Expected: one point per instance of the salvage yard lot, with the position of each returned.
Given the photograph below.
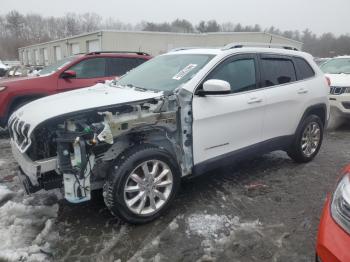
(263, 209)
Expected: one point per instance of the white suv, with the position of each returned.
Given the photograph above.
(180, 114)
(338, 72)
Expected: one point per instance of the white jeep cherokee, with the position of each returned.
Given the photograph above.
(338, 72)
(180, 114)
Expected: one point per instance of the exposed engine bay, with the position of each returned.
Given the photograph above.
(86, 143)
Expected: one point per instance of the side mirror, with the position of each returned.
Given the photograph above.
(69, 74)
(215, 87)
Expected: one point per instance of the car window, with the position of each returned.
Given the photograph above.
(241, 74)
(90, 68)
(166, 72)
(118, 66)
(277, 71)
(337, 66)
(304, 69)
(56, 66)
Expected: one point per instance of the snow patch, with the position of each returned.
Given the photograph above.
(217, 231)
(210, 226)
(206, 225)
(173, 225)
(26, 229)
(4, 193)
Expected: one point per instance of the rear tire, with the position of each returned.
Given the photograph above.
(142, 184)
(308, 140)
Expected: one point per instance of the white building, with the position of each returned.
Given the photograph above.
(154, 43)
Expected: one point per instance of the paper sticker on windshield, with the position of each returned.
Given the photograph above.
(184, 72)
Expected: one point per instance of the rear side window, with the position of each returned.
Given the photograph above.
(304, 70)
(277, 71)
(118, 66)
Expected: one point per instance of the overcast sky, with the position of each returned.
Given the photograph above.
(318, 15)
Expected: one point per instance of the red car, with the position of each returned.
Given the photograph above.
(67, 74)
(333, 241)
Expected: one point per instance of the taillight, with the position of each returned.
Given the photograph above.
(346, 170)
(328, 81)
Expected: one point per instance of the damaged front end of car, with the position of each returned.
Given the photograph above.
(76, 150)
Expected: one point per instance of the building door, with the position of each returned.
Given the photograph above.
(93, 46)
(36, 57)
(74, 48)
(58, 53)
(46, 57)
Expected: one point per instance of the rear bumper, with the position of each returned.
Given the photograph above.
(33, 169)
(332, 241)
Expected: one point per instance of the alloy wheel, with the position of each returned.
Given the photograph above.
(148, 187)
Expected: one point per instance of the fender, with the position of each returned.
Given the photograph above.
(317, 109)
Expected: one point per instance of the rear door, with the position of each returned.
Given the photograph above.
(286, 96)
(89, 72)
(118, 66)
(225, 123)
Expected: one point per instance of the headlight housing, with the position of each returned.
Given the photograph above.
(347, 90)
(340, 206)
(2, 88)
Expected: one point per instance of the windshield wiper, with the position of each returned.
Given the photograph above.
(137, 87)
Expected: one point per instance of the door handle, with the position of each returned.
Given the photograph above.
(302, 91)
(100, 81)
(254, 100)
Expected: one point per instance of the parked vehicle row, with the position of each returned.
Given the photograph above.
(178, 115)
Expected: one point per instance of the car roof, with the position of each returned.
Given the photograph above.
(342, 56)
(131, 54)
(223, 51)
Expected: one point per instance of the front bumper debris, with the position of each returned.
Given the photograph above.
(33, 169)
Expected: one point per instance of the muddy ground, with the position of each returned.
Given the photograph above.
(264, 209)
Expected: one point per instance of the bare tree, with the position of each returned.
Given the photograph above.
(17, 30)
(90, 22)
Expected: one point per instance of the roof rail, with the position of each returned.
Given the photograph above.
(266, 45)
(118, 52)
(191, 47)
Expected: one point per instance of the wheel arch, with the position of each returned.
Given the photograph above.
(154, 137)
(318, 109)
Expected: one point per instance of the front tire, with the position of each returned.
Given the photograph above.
(307, 140)
(142, 184)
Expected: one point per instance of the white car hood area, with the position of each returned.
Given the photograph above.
(98, 96)
(340, 80)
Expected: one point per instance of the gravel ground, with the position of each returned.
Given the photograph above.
(263, 209)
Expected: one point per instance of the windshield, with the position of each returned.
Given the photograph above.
(165, 73)
(337, 66)
(56, 66)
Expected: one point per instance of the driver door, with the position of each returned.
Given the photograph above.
(226, 124)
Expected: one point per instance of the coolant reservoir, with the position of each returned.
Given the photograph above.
(76, 190)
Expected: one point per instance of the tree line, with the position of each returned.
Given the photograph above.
(17, 30)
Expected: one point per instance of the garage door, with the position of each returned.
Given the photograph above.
(58, 53)
(75, 48)
(93, 45)
(46, 57)
(36, 57)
